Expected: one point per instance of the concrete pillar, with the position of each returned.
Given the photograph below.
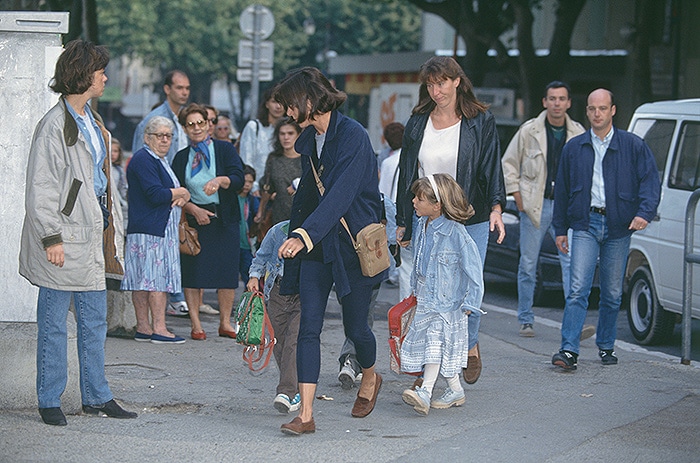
(30, 43)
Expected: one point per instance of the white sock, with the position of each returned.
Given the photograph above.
(454, 383)
(430, 374)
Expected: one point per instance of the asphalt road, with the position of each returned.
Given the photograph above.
(503, 294)
(198, 401)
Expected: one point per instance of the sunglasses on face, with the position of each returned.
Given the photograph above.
(199, 123)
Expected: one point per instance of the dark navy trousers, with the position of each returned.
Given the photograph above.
(315, 284)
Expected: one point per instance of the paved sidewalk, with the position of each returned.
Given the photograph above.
(198, 402)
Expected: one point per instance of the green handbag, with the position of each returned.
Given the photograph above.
(254, 330)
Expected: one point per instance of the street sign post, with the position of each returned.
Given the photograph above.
(257, 23)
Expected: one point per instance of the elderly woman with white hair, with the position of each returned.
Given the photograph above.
(152, 257)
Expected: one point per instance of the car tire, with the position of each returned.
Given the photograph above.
(648, 321)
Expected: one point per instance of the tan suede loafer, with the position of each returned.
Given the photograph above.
(364, 407)
(473, 371)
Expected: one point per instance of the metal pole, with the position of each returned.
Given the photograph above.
(689, 259)
(255, 72)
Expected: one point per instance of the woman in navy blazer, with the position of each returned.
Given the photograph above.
(152, 257)
(341, 153)
(213, 174)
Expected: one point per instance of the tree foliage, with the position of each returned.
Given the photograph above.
(201, 36)
(481, 23)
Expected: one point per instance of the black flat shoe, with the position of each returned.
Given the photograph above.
(111, 409)
(53, 416)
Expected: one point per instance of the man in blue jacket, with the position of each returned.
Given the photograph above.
(607, 187)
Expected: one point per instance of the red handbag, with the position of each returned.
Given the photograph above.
(400, 317)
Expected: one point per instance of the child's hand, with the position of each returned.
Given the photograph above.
(253, 284)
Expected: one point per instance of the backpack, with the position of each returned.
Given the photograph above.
(254, 330)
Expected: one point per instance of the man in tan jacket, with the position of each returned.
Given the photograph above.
(529, 168)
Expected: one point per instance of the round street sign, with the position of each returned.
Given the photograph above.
(247, 21)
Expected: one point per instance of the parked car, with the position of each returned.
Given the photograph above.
(654, 278)
(502, 259)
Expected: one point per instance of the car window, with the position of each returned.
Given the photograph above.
(657, 133)
(685, 173)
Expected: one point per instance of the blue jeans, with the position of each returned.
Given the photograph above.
(586, 248)
(480, 234)
(52, 340)
(530, 244)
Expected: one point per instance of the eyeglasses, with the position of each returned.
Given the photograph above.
(199, 123)
(214, 120)
(162, 136)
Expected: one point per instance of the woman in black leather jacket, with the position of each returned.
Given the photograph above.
(452, 132)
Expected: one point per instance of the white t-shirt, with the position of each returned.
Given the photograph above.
(388, 175)
(438, 152)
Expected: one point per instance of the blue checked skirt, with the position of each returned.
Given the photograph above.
(436, 338)
(152, 263)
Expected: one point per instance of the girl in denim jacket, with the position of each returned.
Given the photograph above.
(448, 285)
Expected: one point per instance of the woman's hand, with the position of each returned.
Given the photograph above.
(290, 248)
(496, 223)
(55, 255)
(212, 186)
(180, 196)
(400, 231)
(201, 215)
(253, 284)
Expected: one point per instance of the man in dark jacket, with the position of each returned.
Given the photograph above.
(607, 187)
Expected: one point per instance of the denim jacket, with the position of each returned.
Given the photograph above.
(266, 263)
(447, 267)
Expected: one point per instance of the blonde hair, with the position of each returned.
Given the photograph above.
(453, 202)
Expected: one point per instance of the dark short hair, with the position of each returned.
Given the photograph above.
(77, 65)
(169, 77)
(189, 109)
(214, 110)
(557, 84)
(263, 114)
(308, 84)
(393, 133)
(248, 170)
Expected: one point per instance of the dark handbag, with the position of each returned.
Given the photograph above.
(189, 238)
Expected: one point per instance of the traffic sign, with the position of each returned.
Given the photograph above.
(245, 54)
(246, 75)
(266, 24)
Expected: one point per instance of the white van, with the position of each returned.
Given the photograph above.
(654, 278)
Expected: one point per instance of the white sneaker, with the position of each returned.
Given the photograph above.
(177, 309)
(347, 375)
(449, 399)
(207, 309)
(419, 398)
(283, 405)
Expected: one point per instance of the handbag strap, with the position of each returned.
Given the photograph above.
(322, 189)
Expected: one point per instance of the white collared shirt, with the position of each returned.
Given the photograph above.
(600, 147)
